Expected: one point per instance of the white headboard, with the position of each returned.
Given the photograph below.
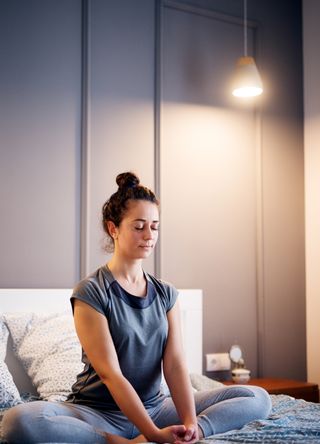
(56, 300)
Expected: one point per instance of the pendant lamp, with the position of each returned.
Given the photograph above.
(247, 81)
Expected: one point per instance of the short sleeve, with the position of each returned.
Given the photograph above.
(92, 294)
(171, 295)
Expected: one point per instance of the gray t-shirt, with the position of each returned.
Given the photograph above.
(139, 329)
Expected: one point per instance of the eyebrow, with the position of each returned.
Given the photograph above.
(145, 220)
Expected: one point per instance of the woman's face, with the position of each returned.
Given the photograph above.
(137, 234)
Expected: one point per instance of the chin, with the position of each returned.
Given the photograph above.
(145, 254)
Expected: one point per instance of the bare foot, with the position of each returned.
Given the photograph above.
(139, 438)
(116, 439)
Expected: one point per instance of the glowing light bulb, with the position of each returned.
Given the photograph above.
(247, 81)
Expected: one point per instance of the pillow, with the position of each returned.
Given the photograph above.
(201, 382)
(9, 394)
(49, 350)
(164, 389)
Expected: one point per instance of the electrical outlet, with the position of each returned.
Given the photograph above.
(218, 362)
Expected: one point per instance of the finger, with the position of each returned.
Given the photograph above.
(188, 435)
(178, 431)
(184, 441)
(178, 436)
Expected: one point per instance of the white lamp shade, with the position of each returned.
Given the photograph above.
(247, 81)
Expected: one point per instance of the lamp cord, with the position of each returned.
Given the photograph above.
(245, 28)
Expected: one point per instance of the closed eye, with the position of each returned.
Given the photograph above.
(155, 228)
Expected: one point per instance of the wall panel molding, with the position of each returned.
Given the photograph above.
(158, 47)
(260, 248)
(197, 10)
(259, 254)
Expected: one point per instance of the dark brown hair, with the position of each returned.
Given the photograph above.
(115, 207)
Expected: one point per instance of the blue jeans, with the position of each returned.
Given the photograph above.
(217, 411)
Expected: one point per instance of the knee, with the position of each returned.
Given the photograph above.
(13, 424)
(17, 424)
(263, 401)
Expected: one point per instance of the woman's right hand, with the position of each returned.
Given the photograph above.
(169, 434)
(174, 434)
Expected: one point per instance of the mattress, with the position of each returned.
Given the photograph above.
(291, 420)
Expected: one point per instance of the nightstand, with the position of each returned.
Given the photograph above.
(277, 386)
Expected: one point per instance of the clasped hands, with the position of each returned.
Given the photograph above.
(178, 434)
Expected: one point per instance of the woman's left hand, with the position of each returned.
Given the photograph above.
(190, 435)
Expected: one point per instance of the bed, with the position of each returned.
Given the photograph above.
(291, 420)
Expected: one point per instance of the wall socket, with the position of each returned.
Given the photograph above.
(218, 362)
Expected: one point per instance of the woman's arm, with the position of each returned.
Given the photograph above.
(94, 335)
(177, 377)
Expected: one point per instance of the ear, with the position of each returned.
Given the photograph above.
(113, 230)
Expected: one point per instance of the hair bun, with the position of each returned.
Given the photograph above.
(127, 180)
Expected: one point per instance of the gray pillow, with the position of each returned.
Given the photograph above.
(201, 382)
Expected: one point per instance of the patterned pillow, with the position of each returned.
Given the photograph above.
(9, 395)
(49, 350)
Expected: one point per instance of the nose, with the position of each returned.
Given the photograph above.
(148, 233)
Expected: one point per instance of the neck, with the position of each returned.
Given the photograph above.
(130, 272)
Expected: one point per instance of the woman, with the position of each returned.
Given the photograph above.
(128, 325)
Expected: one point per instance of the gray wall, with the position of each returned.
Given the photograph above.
(232, 200)
(121, 103)
(40, 86)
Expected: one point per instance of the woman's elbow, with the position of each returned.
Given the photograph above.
(110, 378)
(173, 366)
